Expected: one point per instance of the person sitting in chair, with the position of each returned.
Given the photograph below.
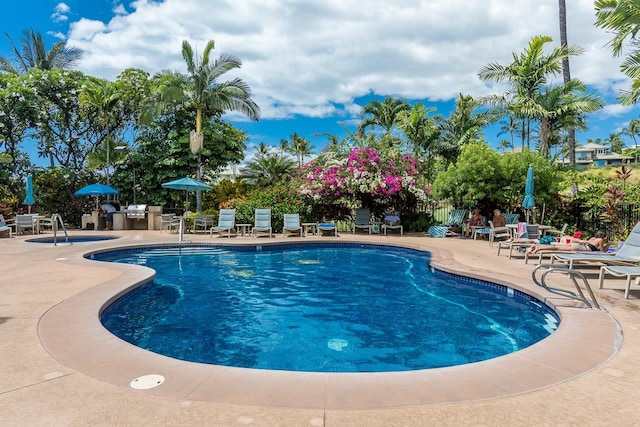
(392, 218)
(597, 243)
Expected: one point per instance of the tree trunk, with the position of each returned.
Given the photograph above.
(566, 75)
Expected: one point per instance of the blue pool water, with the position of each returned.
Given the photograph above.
(71, 239)
(353, 308)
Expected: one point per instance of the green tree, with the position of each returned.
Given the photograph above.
(268, 170)
(633, 130)
(615, 142)
(200, 91)
(566, 72)
(622, 18)
(300, 147)
(527, 76)
(384, 115)
(33, 54)
(422, 131)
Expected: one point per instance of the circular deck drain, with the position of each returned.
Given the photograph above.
(146, 382)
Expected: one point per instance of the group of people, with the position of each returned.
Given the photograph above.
(477, 220)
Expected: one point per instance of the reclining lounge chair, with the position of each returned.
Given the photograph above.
(456, 219)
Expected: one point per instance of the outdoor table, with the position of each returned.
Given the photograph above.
(243, 228)
(310, 226)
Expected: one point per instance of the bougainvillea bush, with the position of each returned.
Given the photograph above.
(366, 177)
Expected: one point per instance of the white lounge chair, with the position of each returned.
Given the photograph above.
(226, 222)
(628, 254)
(262, 223)
(362, 220)
(627, 271)
(291, 225)
(4, 227)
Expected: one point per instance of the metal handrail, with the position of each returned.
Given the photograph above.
(55, 219)
(563, 269)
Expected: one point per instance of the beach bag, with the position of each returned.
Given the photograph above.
(546, 240)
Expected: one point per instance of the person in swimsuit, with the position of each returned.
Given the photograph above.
(597, 243)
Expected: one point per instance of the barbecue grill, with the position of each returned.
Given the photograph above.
(136, 211)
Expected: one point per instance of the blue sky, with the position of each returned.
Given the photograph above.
(313, 64)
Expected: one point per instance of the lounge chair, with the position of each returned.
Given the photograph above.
(393, 227)
(4, 228)
(497, 233)
(511, 218)
(362, 220)
(226, 222)
(291, 225)
(628, 254)
(262, 224)
(557, 232)
(530, 231)
(327, 228)
(456, 219)
(627, 271)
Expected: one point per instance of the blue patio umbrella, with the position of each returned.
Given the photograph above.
(188, 184)
(96, 189)
(529, 202)
(28, 198)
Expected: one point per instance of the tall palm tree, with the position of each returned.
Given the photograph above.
(421, 130)
(528, 75)
(566, 73)
(615, 142)
(300, 147)
(511, 126)
(200, 90)
(262, 150)
(33, 54)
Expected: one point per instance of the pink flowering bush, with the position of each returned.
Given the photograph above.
(364, 175)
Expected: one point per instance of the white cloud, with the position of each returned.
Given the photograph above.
(60, 12)
(307, 57)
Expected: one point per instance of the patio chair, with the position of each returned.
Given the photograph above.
(362, 220)
(262, 223)
(25, 222)
(202, 222)
(497, 233)
(291, 225)
(628, 254)
(169, 222)
(456, 219)
(226, 222)
(511, 218)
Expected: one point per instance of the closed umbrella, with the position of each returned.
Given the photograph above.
(529, 202)
(28, 198)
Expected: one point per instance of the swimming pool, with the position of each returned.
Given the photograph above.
(326, 308)
(71, 239)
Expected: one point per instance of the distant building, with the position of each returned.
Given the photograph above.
(230, 173)
(596, 155)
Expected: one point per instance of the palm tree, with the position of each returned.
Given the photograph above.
(268, 170)
(528, 75)
(615, 142)
(200, 90)
(421, 130)
(262, 150)
(621, 17)
(562, 107)
(300, 147)
(566, 73)
(33, 54)
(511, 126)
(382, 114)
(633, 130)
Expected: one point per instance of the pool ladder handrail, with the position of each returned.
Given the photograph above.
(55, 220)
(573, 274)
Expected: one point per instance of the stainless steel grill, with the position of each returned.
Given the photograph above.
(136, 211)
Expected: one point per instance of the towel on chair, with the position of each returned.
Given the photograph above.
(522, 230)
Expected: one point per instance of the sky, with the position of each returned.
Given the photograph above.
(313, 64)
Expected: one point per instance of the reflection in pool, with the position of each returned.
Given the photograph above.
(344, 308)
(71, 239)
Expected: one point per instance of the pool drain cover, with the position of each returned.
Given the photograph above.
(146, 382)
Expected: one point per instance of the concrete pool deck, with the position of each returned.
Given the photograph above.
(60, 368)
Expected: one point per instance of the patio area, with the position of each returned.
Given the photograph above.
(55, 371)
